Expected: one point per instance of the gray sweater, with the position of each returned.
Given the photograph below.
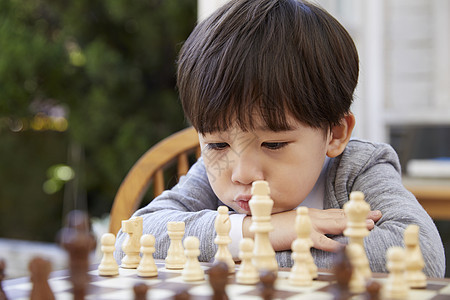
(371, 168)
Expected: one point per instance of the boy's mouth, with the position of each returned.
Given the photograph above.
(242, 201)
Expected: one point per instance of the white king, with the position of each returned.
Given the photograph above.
(261, 207)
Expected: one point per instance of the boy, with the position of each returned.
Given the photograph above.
(268, 85)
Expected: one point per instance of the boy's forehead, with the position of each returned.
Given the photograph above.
(256, 121)
(256, 125)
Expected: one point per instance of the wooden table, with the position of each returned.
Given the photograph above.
(433, 195)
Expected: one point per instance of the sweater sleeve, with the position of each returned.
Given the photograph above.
(377, 174)
(191, 201)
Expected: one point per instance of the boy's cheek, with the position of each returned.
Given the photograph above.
(217, 166)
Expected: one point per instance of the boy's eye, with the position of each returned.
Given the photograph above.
(217, 146)
(274, 145)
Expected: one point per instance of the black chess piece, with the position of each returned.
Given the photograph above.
(2, 276)
(140, 291)
(218, 279)
(267, 281)
(78, 240)
(343, 271)
(373, 290)
(39, 272)
(182, 295)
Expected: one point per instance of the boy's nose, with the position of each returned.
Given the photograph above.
(246, 169)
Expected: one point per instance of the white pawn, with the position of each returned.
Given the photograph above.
(147, 267)
(192, 270)
(356, 255)
(414, 259)
(303, 224)
(303, 227)
(222, 225)
(108, 265)
(300, 274)
(247, 274)
(175, 258)
(396, 286)
(356, 211)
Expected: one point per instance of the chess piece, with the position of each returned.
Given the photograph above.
(175, 258)
(303, 228)
(356, 211)
(396, 286)
(192, 270)
(342, 270)
(414, 259)
(247, 273)
(218, 279)
(78, 241)
(356, 254)
(39, 272)
(373, 290)
(261, 208)
(182, 295)
(300, 274)
(140, 291)
(108, 265)
(131, 245)
(2, 277)
(147, 266)
(222, 224)
(267, 283)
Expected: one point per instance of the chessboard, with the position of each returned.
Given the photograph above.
(168, 283)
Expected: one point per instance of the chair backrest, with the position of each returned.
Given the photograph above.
(149, 168)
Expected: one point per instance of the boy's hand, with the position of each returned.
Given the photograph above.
(329, 221)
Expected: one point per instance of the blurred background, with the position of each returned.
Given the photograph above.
(86, 87)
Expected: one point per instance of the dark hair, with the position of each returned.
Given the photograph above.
(273, 57)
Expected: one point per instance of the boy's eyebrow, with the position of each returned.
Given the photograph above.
(267, 128)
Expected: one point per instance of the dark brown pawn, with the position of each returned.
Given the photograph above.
(39, 272)
(267, 281)
(78, 241)
(373, 290)
(218, 279)
(140, 291)
(342, 270)
(2, 276)
(182, 295)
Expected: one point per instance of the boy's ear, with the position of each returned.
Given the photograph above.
(340, 135)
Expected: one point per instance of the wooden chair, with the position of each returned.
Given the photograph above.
(149, 168)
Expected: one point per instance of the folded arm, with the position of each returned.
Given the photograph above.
(191, 201)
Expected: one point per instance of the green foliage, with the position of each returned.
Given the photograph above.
(111, 66)
(26, 212)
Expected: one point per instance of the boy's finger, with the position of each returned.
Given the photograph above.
(324, 243)
(331, 226)
(329, 221)
(374, 215)
(370, 224)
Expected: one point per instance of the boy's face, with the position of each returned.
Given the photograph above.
(290, 161)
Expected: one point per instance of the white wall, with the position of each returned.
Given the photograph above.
(206, 7)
